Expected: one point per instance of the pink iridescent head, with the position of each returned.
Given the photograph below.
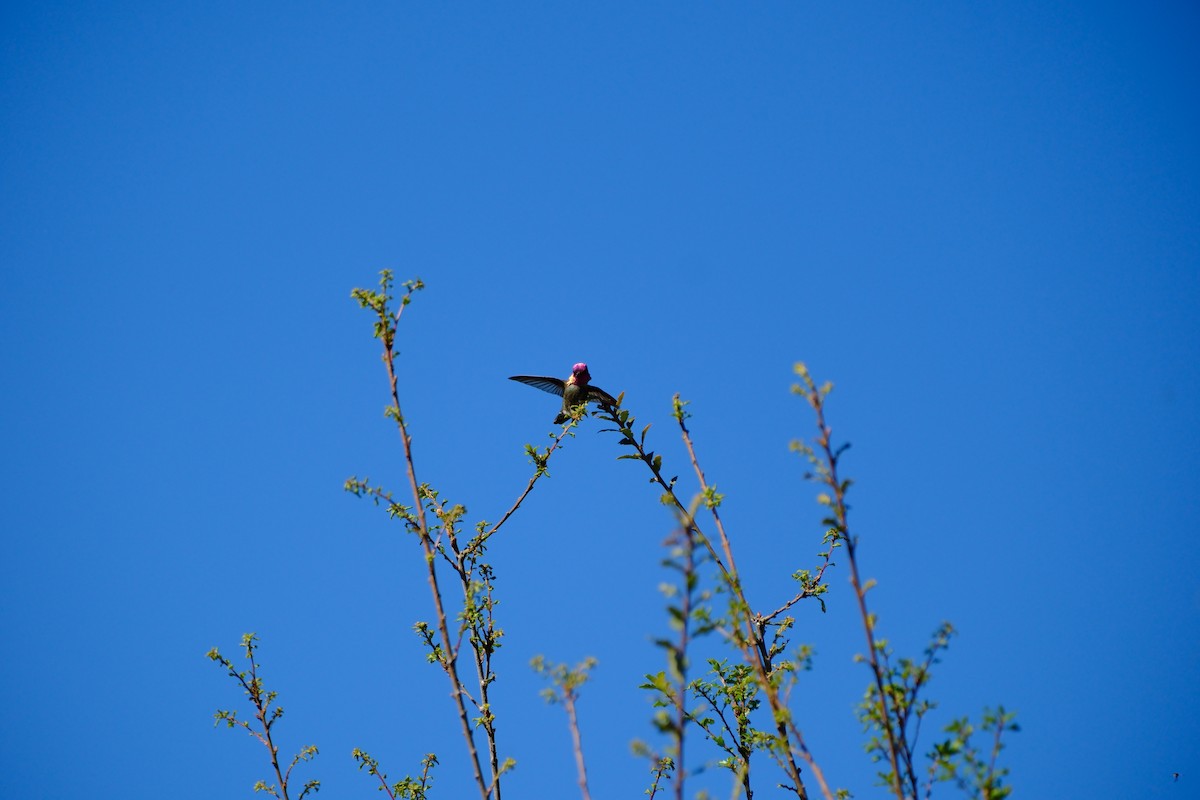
(578, 368)
(580, 374)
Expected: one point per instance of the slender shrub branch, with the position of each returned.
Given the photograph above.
(267, 713)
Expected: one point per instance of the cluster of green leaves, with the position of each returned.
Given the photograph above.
(565, 681)
(731, 693)
(895, 715)
(959, 760)
(409, 788)
(380, 302)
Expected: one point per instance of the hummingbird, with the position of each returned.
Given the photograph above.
(575, 390)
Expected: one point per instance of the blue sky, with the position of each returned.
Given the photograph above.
(979, 221)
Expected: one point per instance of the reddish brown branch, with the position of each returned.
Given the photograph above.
(838, 503)
(450, 658)
(576, 744)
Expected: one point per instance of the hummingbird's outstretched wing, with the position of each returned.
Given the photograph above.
(551, 385)
(597, 395)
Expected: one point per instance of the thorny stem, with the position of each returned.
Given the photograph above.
(260, 711)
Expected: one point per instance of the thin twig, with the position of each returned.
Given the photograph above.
(991, 773)
(384, 784)
(261, 707)
(566, 431)
(803, 593)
